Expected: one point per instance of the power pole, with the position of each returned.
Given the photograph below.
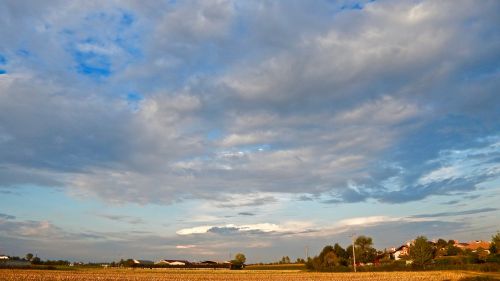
(307, 252)
(353, 236)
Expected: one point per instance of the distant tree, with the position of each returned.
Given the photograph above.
(29, 256)
(365, 252)
(452, 250)
(314, 263)
(239, 258)
(339, 251)
(441, 243)
(300, 260)
(129, 263)
(285, 260)
(421, 251)
(495, 244)
(493, 249)
(330, 260)
(327, 258)
(324, 252)
(341, 254)
(36, 260)
(451, 242)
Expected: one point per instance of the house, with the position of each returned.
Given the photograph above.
(208, 263)
(143, 262)
(474, 246)
(173, 262)
(403, 250)
(14, 263)
(2, 257)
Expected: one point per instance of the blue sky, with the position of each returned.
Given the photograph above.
(196, 129)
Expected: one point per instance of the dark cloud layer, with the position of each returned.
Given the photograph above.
(394, 101)
(458, 213)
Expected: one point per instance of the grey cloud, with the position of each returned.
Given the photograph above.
(7, 217)
(223, 230)
(246, 214)
(252, 202)
(458, 213)
(120, 218)
(300, 102)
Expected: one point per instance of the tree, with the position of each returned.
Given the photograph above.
(330, 260)
(239, 258)
(339, 251)
(300, 260)
(29, 256)
(495, 244)
(285, 260)
(341, 254)
(452, 250)
(441, 243)
(324, 252)
(421, 251)
(36, 260)
(365, 252)
(129, 263)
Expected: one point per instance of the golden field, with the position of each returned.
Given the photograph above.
(221, 275)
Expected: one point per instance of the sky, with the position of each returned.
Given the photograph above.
(199, 129)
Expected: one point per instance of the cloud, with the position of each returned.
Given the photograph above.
(185, 246)
(121, 218)
(259, 228)
(458, 213)
(246, 214)
(257, 100)
(6, 217)
(246, 201)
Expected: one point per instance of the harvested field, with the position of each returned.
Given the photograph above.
(221, 275)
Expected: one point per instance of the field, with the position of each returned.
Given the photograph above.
(224, 275)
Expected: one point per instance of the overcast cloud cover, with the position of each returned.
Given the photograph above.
(193, 129)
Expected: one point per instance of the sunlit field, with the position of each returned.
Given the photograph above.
(186, 275)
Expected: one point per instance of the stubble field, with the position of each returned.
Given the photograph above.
(222, 275)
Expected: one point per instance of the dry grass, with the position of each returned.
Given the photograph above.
(220, 275)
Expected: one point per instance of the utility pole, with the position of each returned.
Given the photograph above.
(307, 252)
(353, 236)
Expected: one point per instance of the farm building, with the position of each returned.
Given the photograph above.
(173, 262)
(208, 262)
(143, 262)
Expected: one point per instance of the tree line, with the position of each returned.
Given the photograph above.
(422, 253)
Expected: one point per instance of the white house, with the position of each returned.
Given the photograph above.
(172, 262)
(4, 257)
(401, 251)
(177, 263)
(143, 262)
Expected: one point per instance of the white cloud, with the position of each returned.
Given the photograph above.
(259, 227)
(465, 164)
(185, 246)
(194, 230)
(246, 139)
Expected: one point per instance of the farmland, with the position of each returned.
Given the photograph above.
(226, 275)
